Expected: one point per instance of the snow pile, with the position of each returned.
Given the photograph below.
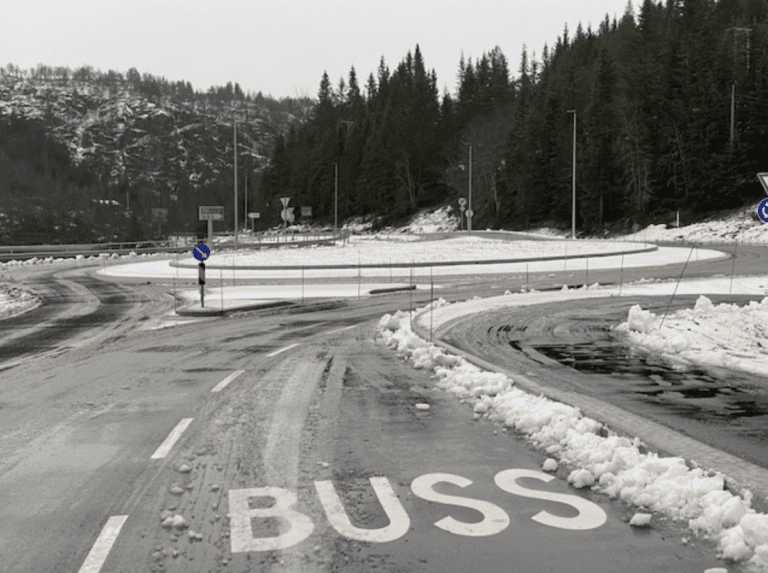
(743, 226)
(438, 221)
(723, 335)
(14, 300)
(594, 456)
(359, 224)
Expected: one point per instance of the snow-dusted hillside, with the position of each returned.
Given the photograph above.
(124, 136)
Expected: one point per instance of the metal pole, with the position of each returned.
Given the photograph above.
(234, 136)
(733, 107)
(469, 218)
(431, 301)
(573, 179)
(621, 276)
(336, 198)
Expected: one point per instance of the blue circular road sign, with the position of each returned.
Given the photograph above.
(762, 211)
(201, 252)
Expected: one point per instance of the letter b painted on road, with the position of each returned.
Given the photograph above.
(294, 526)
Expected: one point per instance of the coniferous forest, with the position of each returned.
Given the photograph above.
(671, 108)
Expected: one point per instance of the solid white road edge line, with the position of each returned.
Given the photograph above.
(101, 548)
(340, 329)
(276, 352)
(223, 384)
(175, 434)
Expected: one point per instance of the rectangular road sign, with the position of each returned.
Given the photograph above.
(254, 215)
(763, 177)
(306, 211)
(208, 213)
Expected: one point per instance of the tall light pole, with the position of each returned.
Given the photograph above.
(733, 84)
(234, 138)
(573, 178)
(336, 197)
(469, 210)
(347, 123)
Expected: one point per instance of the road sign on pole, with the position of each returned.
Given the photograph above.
(285, 201)
(762, 211)
(763, 178)
(208, 213)
(201, 252)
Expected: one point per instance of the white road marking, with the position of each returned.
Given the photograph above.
(340, 329)
(103, 545)
(223, 384)
(276, 352)
(175, 434)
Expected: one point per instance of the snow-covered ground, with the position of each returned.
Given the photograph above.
(723, 335)
(15, 300)
(742, 226)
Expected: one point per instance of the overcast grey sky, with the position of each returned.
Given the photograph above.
(281, 48)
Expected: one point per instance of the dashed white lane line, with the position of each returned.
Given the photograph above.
(175, 434)
(223, 384)
(340, 329)
(103, 544)
(276, 352)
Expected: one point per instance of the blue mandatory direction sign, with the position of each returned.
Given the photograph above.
(201, 252)
(762, 211)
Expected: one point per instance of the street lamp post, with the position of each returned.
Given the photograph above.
(234, 138)
(336, 198)
(573, 178)
(469, 210)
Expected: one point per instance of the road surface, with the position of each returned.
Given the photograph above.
(286, 440)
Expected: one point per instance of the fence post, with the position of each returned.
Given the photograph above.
(621, 279)
(587, 283)
(410, 299)
(431, 301)
(733, 266)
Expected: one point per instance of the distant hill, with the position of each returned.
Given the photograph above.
(86, 155)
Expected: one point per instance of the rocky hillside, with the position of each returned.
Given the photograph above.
(147, 156)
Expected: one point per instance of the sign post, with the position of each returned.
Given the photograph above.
(253, 217)
(462, 208)
(210, 214)
(201, 253)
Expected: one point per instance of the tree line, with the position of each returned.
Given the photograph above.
(671, 112)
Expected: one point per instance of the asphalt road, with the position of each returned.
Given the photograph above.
(267, 405)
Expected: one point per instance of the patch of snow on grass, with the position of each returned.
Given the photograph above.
(724, 335)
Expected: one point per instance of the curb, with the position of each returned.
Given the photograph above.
(202, 312)
(388, 290)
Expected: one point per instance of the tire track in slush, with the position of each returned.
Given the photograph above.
(283, 444)
(49, 330)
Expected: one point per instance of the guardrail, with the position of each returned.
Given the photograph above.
(24, 252)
